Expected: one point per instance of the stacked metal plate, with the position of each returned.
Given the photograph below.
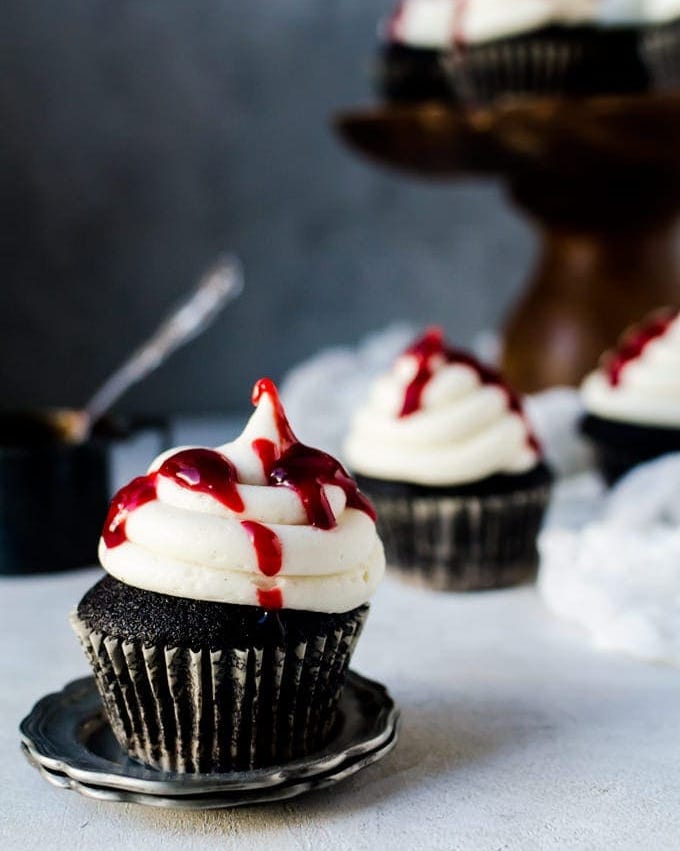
(67, 738)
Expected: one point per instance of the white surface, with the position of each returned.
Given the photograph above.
(515, 735)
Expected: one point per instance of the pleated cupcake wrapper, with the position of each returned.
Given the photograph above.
(185, 710)
(463, 543)
(661, 51)
(486, 71)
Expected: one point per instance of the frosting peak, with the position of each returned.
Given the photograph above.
(440, 417)
(262, 520)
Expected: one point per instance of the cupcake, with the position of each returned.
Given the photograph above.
(445, 452)
(477, 50)
(632, 400)
(237, 586)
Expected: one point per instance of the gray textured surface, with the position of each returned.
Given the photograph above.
(515, 735)
(139, 138)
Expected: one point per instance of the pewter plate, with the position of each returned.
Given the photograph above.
(68, 739)
(218, 800)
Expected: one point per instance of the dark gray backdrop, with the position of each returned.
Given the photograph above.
(141, 137)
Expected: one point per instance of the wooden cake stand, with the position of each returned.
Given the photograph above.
(600, 179)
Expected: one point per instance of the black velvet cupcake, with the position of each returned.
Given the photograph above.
(447, 457)
(466, 537)
(222, 637)
(633, 399)
(194, 686)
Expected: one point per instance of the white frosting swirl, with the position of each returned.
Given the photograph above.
(647, 387)
(438, 24)
(463, 430)
(190, 544)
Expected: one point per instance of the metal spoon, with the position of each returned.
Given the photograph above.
(219, 285)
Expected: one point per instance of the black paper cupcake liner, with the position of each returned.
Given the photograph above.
(207, 709)
(459, 541)
(620, 446)
(575, 61)
(661, 53)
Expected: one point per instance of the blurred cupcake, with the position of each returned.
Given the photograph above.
(237, 588)
(445, 452)
(477, 50)
(633, 399)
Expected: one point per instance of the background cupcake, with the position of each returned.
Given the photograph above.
(480, 49)
(444, 450)
(237, 587)
(633, 399)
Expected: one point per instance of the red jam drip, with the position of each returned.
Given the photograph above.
(431, 349)
(635, 342)
(303, 469)
(265, 386)
(205, 471)
(138, 492)
(267, 547)
(429, 346)
(394, 25)
(270, 599)
(202, 470)
(306, 471)
(267, 451)
(459, 20)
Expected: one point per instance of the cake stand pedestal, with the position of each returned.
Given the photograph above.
(600, 180)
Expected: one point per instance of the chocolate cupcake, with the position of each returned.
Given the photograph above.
(237, 588)
(632, 400)
(444, 450)
(477, 50)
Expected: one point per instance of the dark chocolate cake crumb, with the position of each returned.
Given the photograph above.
(121, 610)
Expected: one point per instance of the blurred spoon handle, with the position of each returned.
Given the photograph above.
(220, 284)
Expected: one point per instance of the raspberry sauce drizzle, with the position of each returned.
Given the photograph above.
(202, 470)
(430, 351)
(303, 469)
(460, 11)
(138, 492)
(395, 21)
(267, 547)
(271, 598)
(635, 342)
(205, 471)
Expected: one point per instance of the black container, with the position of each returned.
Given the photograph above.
(54, 495)
(53, 500)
